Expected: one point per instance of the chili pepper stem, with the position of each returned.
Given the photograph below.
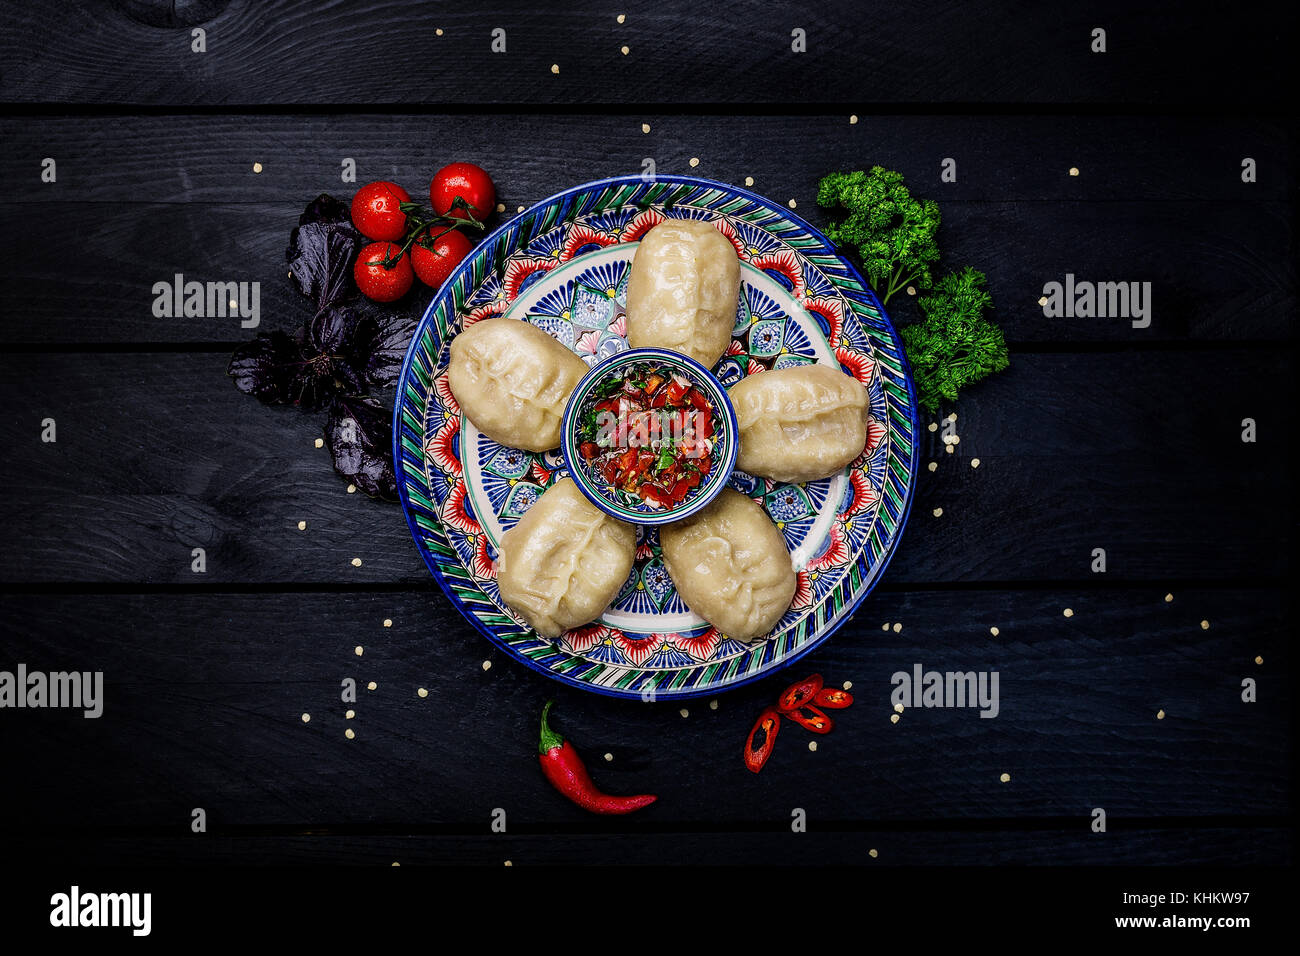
(549, 738)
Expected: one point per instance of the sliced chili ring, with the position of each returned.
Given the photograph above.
(799, 693)
(768, 723)
(812, 718)
(832, 698)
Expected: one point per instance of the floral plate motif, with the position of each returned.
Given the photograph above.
(563, 266)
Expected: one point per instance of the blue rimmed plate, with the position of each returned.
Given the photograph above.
(563, 266)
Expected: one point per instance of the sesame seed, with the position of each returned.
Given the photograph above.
(356, 562)
(1205, 625)
(388, 622)
(974, 462)
(792, 204)
(1169, 598)
(624, 50)
(555, 68)
(487, 665)
(371, 686)
(1068, 612)
(893, 718)
(933, 465)
(609, 757)
(1074, 170)
(1160, 715)
(422, 692)
(812, 745)
(349, 733)
(257, 167)
(357, 650)
(898, 628)
(320, 443)
(1005, 778)
(853, 119)
(872, 854)
(645, 127)
(749, 180)
(994, 631)
(695, 160)
(622, 17)
(684, 712)
(938, 512)
(350, 714)
(352, 489)
(306, 718)
(1259, 660)
(713, 705)
(933, 427)
(302, 526)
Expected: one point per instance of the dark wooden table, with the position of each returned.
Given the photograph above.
(1100, 435)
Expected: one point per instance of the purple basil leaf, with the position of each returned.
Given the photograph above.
(359, 433)
(332, 328)
(379, 348)
(265, 367)
(325, 208)
(320, 261)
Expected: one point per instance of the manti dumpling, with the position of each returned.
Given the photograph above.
(683, 290)
(565, 560)
(731, 566)
(800, 423)
(513, 380)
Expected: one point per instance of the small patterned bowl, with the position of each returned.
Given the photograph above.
(600, 385)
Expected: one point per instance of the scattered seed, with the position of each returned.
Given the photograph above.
(1005, 778)
(349, 733)
(395, 863)
(684, 712)
(1068, 612)
(257, 167)
(508, 863)
(438, 31)
(1259, 660)
(519, 209)
(1042, 300)
(609, 758)
(713, 705)
(933, 427)
(812, 745)
(645, 127)
(898, 628)
(487, 665)
(884, 627)
(974, 462)
(306, 718)
(422, 692)
(357, 650)
(848, 685)
(352, 489)
(956, 440)
(948, 450)
(622, 17)
(792, 204)
(893, 718)
(356, 562)
(695, 161)
(853, 119)
(302, 526)
(350, 714)
(388, 622)
(1169, 598)
(872, 854)
(952, 416)
(1160, 715)
(994, 631)
(1074, 170)
(749, 180)
(898, 708)
(320, 443)
(555, 68)
(938, 512)
(933, 465)
(371, 686)
(501, 207)
(624, 50)
(1205, 625)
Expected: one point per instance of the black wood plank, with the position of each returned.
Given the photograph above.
(204, 695)
(1136, 452)
(297, 52)
(1219, 271)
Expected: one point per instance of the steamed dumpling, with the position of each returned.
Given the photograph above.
(731, 566)
(513, 380)
(800, 423)
(564, 561)
(683, 290)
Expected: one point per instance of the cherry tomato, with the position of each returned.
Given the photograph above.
(768, 724)
(433, 265)
(376, 210)
(698, 399)
(467, 183)
(379, 282)
(799, 693)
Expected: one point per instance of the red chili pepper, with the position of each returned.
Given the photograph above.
(567, 773)
(833, 698)
(768, 724)
(799, 693)
(810, 718)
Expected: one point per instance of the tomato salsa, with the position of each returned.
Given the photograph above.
(646, 437)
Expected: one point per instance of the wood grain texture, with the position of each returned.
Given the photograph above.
(932, 52)
(158, 454)
(204, 695)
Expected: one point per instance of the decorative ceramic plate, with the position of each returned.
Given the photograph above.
(563, 265)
